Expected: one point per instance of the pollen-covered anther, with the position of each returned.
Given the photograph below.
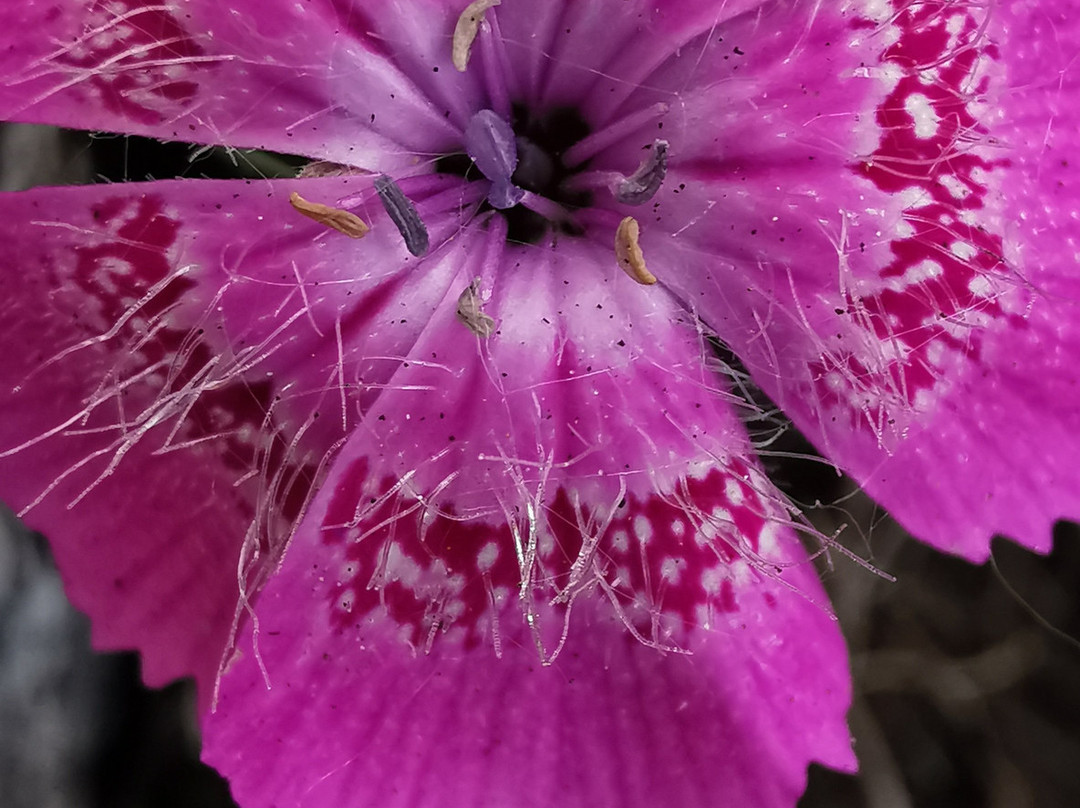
(465, 31)
(642, 185)
(403, 214)
(628, 252)
(470, 311)
(341, 220)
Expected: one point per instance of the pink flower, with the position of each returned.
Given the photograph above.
(458, 513)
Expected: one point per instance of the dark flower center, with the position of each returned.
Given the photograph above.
(541, 140)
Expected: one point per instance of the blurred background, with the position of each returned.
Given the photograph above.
(967, 679)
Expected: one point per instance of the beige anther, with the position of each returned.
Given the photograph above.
(628, 252)
(469, 311)
(341, 220)
(465, 31)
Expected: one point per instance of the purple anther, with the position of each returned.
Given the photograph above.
(403, 215)
(642, 185)
(489, 141)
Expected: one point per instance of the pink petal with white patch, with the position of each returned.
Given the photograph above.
(837, 211)
(325, 79)
(1008, 422)
(152, 550)
(570, 490)
(150, 428)
(352, 716)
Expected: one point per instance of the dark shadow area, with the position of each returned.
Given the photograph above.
(119, 158)
(77, 728)
(963, 696)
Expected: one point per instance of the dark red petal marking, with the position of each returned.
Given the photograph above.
(668, 562)
(135, 59)
(948, 278)
(125, 285)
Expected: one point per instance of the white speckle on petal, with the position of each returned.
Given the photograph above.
(980, 286)
(620, 541)
(734, 492)
(487, 556)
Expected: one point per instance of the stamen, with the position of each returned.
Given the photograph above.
(612, 133)
(341, 220)
(403, 215)
(642, 185)
(465, 31)
(548, 209)
(469, 311)
(489, 141)
(628, 252)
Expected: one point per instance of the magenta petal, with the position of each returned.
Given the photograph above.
(149, 429)
(352, 716)
(150, 551)
(1010, 425)
(403, 655)
(314, 78)
(881, 233)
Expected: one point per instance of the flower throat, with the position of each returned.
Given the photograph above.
(550, 198)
